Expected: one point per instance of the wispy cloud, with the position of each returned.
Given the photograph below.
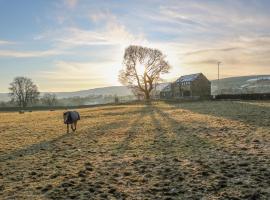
(73, 75)
(71, 3)
(5, 42)
(240, 56)
(228, 49)
(29, 54)
(112, 32)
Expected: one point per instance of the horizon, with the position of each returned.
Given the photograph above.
(126, 86)
(74, 45)
(167, 82)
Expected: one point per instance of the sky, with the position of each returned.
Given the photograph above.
(70, 45)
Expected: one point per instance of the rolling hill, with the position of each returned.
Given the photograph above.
(241, 83)
(113, 90)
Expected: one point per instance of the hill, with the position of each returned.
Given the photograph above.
(113, 90)
(242, 83)
(4, 97)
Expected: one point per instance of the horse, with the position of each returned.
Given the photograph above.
(71, 117)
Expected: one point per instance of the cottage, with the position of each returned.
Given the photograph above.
(188, 86)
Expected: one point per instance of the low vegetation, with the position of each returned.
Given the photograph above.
(200, 150)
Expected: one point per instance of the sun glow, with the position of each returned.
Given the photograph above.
(140, 69)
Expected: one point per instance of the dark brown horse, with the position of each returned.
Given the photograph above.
(71, 117)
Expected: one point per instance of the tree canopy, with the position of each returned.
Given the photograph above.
(142, 69)
(23, 92)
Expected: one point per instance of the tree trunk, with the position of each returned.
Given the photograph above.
(147, 95)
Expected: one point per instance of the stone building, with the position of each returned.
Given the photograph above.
(188, 86)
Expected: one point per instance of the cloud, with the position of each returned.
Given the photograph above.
(71, 3)
(5, 42)
(29, 54)
(80, 75)
(229, 49)
(242, 56)
(104, 15)
(174, 16)
(111, 32)
(225, 18)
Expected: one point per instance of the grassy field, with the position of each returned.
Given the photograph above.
(199, 150)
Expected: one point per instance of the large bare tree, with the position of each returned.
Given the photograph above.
(142, 69)
(23, 91)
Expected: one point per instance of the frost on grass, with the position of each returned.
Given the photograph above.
(202, 150)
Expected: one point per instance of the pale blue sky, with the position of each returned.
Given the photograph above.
(67, 45)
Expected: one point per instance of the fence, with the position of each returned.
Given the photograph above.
(253, 96)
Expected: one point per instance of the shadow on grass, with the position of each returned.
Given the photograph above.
(49, 145)
(132, 131)
(251, 114)
(190, 143)
(162, 143)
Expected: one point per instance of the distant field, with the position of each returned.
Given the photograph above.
(200, 150)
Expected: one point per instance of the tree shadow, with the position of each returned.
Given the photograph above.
(190, 142)
(132, 132)
(49, 145)
(161, 142)
(213, 159)
(255, 115)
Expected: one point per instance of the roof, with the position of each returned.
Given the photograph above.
(188, 78)
(167, 88)
(185, 78)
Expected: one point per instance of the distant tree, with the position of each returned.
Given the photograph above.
(116, 99)
(23, 92)
(2, 104)
(142, 69)
(49, 99)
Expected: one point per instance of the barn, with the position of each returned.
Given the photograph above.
(188, 86)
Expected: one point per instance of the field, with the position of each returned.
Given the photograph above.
(199, 150)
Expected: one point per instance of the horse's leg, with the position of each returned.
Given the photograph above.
(72, 127)
(75, 125)
(67, 128)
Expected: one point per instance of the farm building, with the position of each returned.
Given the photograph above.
(188, 86)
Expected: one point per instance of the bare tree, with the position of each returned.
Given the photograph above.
(142, 69)
(49, 99)
(116, 99)
(23, 92)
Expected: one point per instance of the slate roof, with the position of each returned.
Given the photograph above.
(167, 88)
(187, 78)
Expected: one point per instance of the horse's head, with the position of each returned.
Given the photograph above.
(66, 116)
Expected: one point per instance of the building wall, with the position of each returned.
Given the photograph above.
(201, 87)
(175, 90)
(165, 95)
